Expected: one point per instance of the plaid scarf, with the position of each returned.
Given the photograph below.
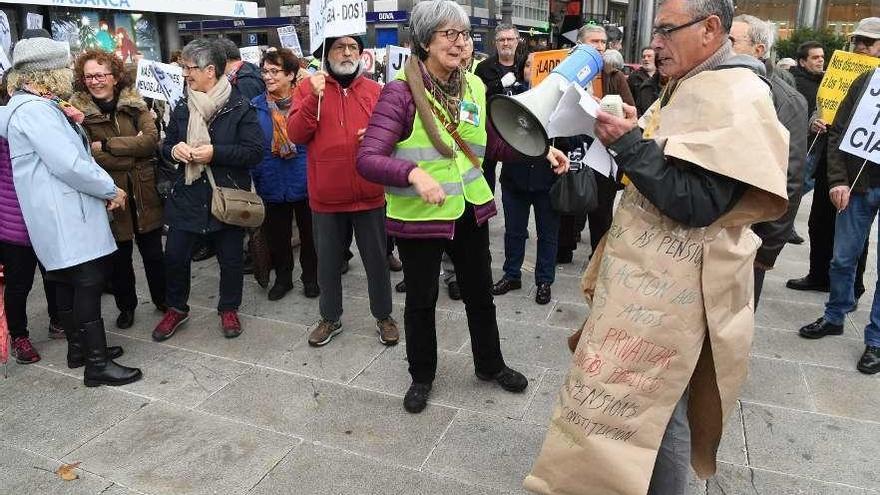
(447, 94)
(281, 145)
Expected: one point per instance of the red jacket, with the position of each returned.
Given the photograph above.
(332, 144)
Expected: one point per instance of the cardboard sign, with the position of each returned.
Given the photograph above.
(160, 81)
(543, 64)
(5, 64)
(843, 69)
(289, 39)
(335, 18)
(862, 137)
(34, 21)
(397, 56)
(251, 54)
(5, 33)
(368, 60)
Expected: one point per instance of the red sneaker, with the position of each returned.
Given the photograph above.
(230, 324)
(24, 351)
(169, 324)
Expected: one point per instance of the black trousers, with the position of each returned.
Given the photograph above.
(122, 278)
(490, 168)
(178, 261)
(571, 226)
(278, 228)
(19, 264)
(823, 216)
(421, 269)
(79, 288)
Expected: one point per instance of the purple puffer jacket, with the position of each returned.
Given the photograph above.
(12, 228)
(392, 122)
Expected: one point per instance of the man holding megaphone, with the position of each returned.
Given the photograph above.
(661, 359)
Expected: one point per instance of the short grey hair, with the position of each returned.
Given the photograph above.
(704, 8)
(204, 52)
(590, 28)
(613, 59)
(760, 32)
(427, 16)
(505, 27)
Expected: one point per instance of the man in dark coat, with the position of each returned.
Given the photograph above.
(752, 39)
(501, 73)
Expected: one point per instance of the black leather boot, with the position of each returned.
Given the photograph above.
(75, 355)
(100, 369)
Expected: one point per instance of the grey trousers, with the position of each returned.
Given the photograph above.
(672, 468)
(331, 242)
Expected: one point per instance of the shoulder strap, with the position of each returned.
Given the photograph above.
(453, 131)
(210, 175)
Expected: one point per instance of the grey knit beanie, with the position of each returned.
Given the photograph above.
(39, 54)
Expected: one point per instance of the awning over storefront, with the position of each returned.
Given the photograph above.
(224, 8)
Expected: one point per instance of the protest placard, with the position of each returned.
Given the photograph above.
(368, 60)
(251, 54)
(5, 33)
(543, 64)
(397, 56)
(289, 39)
(335, 18)
(5, 64)
(34, 21)
(843, 69)
(160, 81)
(862, 137)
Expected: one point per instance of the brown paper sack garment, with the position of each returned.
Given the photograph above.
(671, 306)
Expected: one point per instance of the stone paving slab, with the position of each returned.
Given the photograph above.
(318, 470)
(810, 445)
(163, 449)
(354, 419)
(744, 480)
(24, 472)
(52, 414)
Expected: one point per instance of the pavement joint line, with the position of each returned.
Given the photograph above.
(84, 470)
(809, 389)
(840, 337)
(372, 361)
(279, 461)
(439, 440)
(745, 436)
(789, 475)
(792, 361)
(533, 394)
(819, 413)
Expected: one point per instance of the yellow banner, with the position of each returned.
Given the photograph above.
(543, 64)
(843, 69)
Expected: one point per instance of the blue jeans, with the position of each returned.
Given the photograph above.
(516, 223)
(852, 228)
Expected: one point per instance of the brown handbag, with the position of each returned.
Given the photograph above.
(236, 206)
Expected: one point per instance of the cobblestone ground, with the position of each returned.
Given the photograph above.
(267, 414)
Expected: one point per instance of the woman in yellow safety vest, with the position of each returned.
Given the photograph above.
(425, 143)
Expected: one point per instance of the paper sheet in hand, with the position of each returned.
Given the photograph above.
(574, 115)
(600, 160)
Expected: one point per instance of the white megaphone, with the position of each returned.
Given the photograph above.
(521, 120)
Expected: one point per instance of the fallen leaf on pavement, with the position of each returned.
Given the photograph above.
(67, 472)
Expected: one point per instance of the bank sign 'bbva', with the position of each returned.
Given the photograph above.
(225, 8)
(335, 18)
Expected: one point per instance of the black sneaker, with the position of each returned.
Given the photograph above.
(401, 286)
(506, 285)
(510, 380)
(416, 398)
(543, 294)
(311, 290)
(807, 283)
(820, 328)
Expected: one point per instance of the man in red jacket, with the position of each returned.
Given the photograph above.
(340, 199)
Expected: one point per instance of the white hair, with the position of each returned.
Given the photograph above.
(613, 59)
(427, 16)
(760, 32)
(590, 28)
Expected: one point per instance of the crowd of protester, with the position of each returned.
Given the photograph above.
(347, 159)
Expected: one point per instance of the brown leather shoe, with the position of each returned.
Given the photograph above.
(324, 332)
(388, 333)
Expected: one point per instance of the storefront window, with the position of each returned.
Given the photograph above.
(781, 13)
(125, 34)
(843, 15)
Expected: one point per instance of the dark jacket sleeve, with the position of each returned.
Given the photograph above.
(688, 194)
(837, 169)
(173, 133)
(487, 73)
(792, 113)
(247, 151)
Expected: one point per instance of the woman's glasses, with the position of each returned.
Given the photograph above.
(99, 77)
